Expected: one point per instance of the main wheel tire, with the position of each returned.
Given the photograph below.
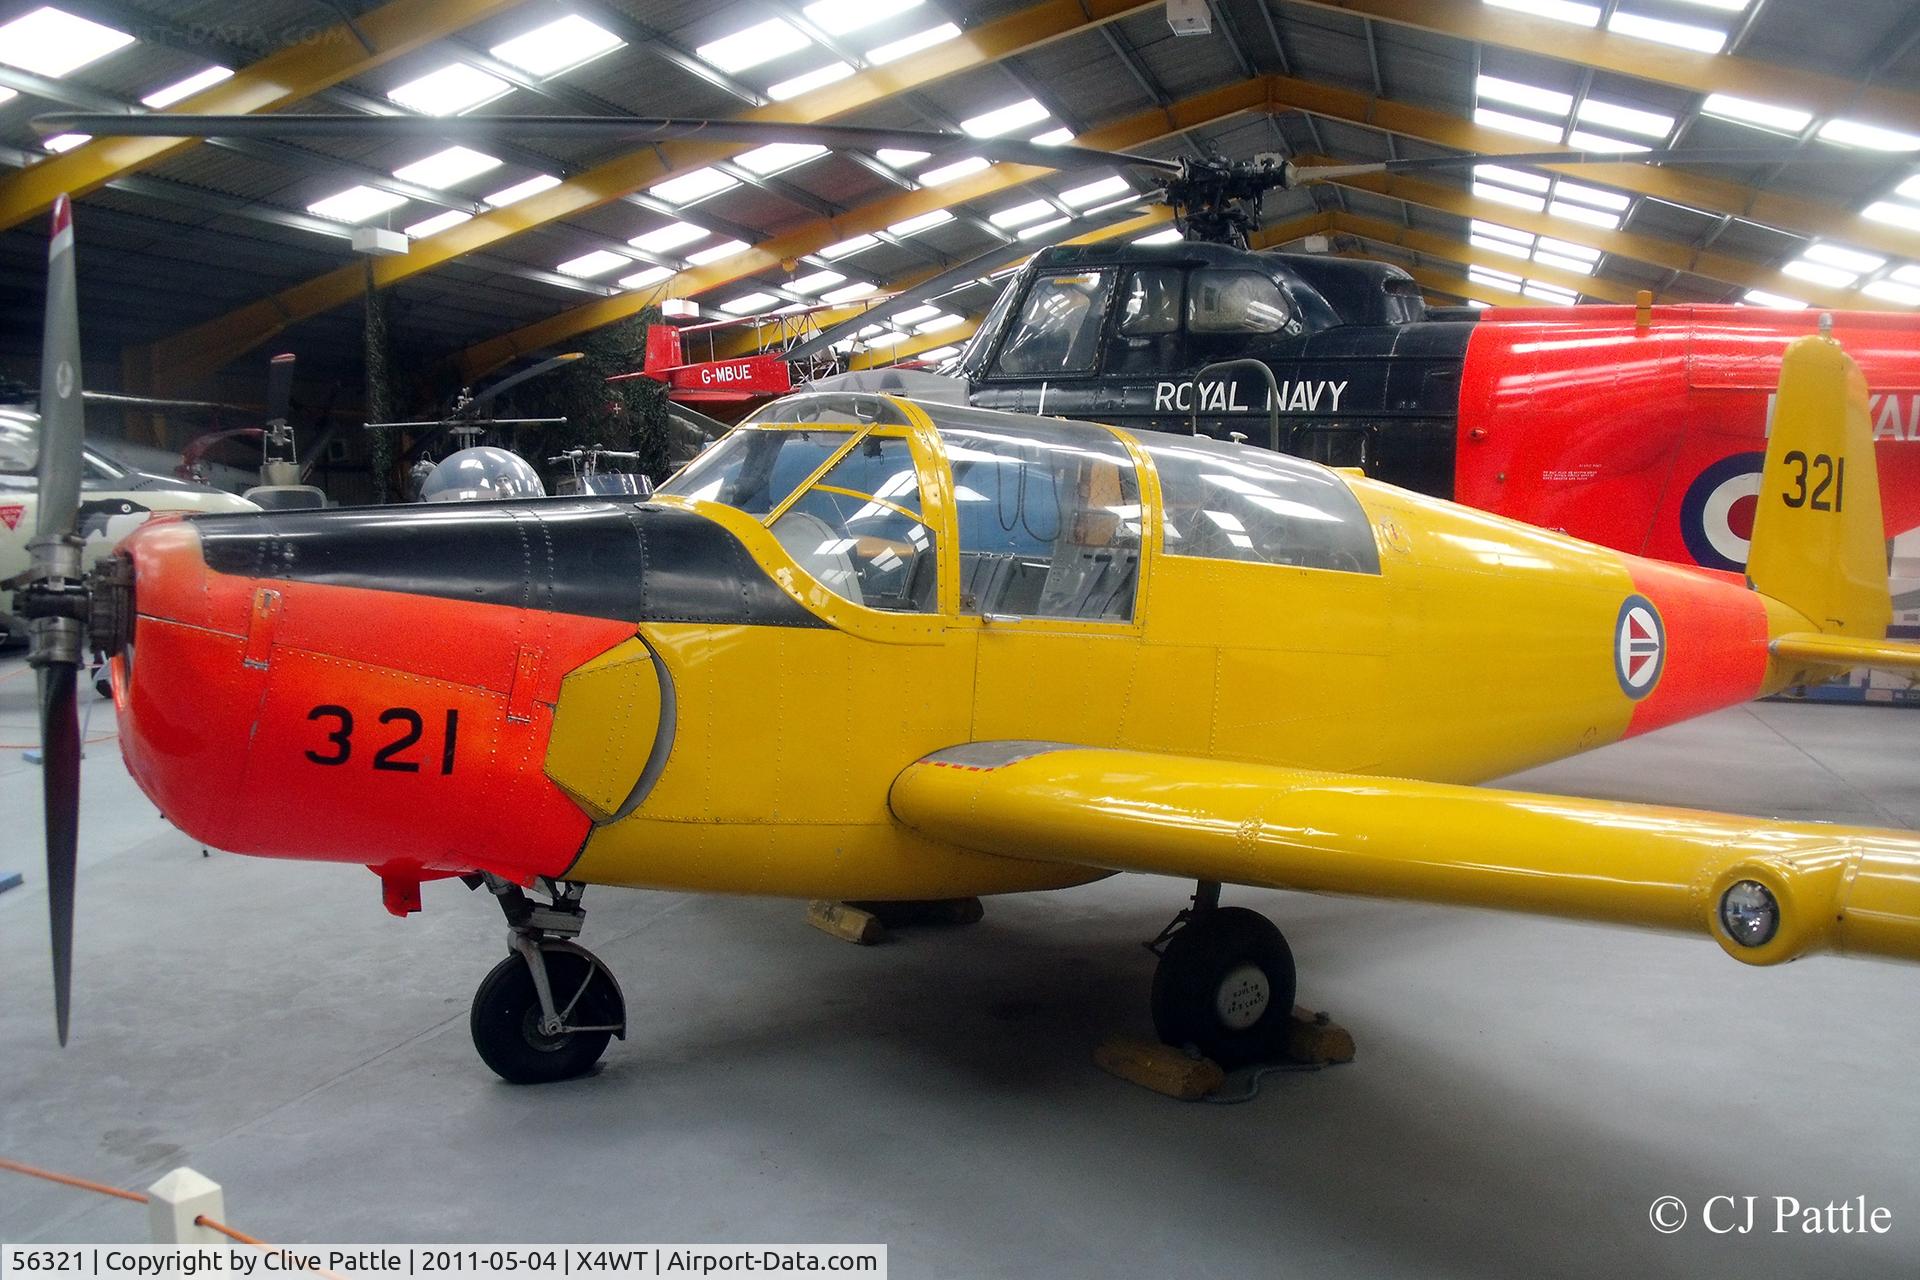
(1225, 986)
(506, 1019)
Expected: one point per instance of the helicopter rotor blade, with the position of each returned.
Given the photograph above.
(608, 129)
(486, 395)
(1302, 174)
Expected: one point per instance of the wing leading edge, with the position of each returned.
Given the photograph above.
(1827, 888)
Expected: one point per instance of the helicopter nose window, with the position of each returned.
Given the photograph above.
(1147, 339)
(858, 530)
(1058, 330)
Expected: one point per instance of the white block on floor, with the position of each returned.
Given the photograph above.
(176, 1200)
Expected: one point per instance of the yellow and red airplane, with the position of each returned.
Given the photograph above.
(871, 649)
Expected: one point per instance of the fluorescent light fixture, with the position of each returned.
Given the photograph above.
(777, 157)
(1569, 250)
(452, 89)
(689, 187)
(438, 222)
(1513, 177)
(940, 353)
(1014, 115)
(747, 303)
(444, 168)
(945, 320)
(1907, 275)
(1832, 277)
(597, 263)
(186, 88)
(760, 43)
(1580, 15)
(1021, 214)
(1759, 115)
(1682, 35)
(1761, 298)
(51, 42)
(521, 190)
(1041, 228)
(1910, 188)
(1167, 235)
(1550, 293)
(1888, 291)
(912, 44)
(808, 81)
(713, 253)
(63, 142)
(1613, 115)
(641, 279)
(815, 282)
(671, 236)
(1498, 232)
(1580, 213)
(1095, 192)
(1549, 101)
(920, 222)
(560, 45)
(1858, 133)
(844, 248)
(958, 169)
(1509, 123)
(1591, 195)
(1853, 260)
(680, 309)
(1054, 137)
(914, 315)
(1894, 213)
(356, 204)
(1586, 141)
(1500, 246)
(1577, 266)
(837, 17)
(1494, 279)
(1504, 195)
(858, 289)
(897, 159)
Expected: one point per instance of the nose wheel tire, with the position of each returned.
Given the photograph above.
(507, 1018)
(1225, 986)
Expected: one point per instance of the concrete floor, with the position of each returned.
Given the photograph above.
(1524, 1090)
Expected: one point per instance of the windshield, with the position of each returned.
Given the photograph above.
(756, 468)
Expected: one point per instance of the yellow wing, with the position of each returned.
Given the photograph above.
(1766, 891)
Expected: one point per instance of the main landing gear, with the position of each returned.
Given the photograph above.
(546, 1012)
(1225, 983)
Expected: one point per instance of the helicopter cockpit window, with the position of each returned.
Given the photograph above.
(755, 469)
(1147, 338)
(1058, 329)
(1233, 502)
(1049, 516)
(858, 530)
(1230, 302)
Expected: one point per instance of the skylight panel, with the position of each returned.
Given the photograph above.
(1020, 214)
(837, 17)
(808, 81)
(1507, 247)
(1508, 196)
(1494, 279)
(1683, 35)
(844, 248)
(186, 88)
(641, 279)
(858, 289)
(671, 236)
(1094, 192)
(6, 93)
(52, 42)
(597, 263)
(1498, 232)
(437, 223)
(901, 159)
(815, 282)
(1907, 275)
(958, 169)
(1894, 213)
(560, 45)
(1549, 101)
(945, 320)
(1542, 292)
(1832, 277)
(748, 303)
(1591, 195)
(1513, 177)
(521, 190)
(1569, 250)
(1758, 115)
(922, 222)
(1761, 298)
(1586, 141)
(451, 90)
(1889, 291)
(1858, 133)
(762, 42)
(1613, 115)
(1853, 260)
(1041, 228)
(1581, 213)
(1910, 188)
(912, 44)
(1054, 137)
(1581, 15)
(1507, 122)
(689, 187)
(1577, 266)
(914, 315)
(1166, 235)
(443, 169)
(778, 157)
(725, 249)
(356, 204)
(64, 142)
(1015, 115)
(940, 353)
(1725, 6)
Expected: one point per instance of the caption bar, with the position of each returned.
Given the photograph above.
(436, 1262)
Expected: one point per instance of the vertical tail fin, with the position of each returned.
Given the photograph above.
(1818, 543)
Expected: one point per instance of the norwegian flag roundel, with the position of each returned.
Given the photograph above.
(1639, 647)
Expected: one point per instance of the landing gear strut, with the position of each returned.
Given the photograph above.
(1225, 983)
(546, 1012)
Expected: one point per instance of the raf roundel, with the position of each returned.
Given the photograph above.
(1639, 647)
(1716, 515)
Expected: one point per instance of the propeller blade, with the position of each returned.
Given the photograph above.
(608, 129)
(533, 371)
(62, 417)
(279, 387)
(60, 795)
(1658, 155)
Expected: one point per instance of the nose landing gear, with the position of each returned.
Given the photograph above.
(546, 1012)
(1225, 983)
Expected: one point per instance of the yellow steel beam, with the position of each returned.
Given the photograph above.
(777, 253)
(881, 357)
(1653, 250)
(298, 71)
(205, 347)
(1643, 59)
(1789, 213)
(1444, 247)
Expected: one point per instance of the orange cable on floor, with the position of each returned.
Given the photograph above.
(14, 1166)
